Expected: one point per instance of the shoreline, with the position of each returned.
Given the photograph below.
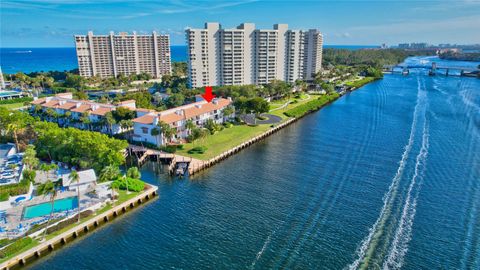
(197, 165)
(84, 228)
(238, 148)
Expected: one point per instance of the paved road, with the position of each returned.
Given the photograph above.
(271, 119)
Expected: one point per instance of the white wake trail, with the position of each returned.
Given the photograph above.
(360, 254)
(403, 234)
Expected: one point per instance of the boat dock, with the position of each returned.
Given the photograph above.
(178, 164)
(79, 230)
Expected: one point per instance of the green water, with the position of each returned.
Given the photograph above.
(43, 209)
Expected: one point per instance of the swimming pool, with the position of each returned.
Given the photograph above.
(9, 93)
(43, 209)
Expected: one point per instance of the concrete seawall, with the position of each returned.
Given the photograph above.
(79, 230)
(199, 166)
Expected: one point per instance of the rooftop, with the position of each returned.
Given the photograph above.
(184, 112)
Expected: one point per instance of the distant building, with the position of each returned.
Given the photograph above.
(404, 45)
(111, 55)
(2, 80)
(418, 45)
(198, 112)
(245, 55)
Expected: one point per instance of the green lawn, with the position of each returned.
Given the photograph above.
(13, 106)
(230, 137)
(223, 140)
(23, 249)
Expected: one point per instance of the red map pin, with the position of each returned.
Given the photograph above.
(208, 96)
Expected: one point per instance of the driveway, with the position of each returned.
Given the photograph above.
(271, 119)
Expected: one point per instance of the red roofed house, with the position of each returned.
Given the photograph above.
(199, 112)
(71, 111)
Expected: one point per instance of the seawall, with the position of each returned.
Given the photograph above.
(79, 230)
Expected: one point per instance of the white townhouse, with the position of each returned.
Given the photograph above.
(64, 102)
(199, 112)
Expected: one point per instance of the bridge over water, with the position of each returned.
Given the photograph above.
(434, 69)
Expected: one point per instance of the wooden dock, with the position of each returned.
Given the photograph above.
(81, 229)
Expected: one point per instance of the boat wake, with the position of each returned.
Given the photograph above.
(369, 243)
(403, 234)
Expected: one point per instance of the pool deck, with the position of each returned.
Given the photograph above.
(82, 228)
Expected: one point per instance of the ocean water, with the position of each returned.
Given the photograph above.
(13, 60)
(385, 177)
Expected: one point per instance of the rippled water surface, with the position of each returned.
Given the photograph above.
(386, 177)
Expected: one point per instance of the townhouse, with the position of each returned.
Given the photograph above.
(74, 112)
(198, 112)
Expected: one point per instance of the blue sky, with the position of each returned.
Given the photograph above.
(52, 23)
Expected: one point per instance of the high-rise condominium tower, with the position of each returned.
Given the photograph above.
(111, 55)
(245, 55)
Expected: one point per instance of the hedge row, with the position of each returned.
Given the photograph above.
(362, 82)
(16, 100)
(311, 105)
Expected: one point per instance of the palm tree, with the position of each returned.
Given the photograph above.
(109, 173)
(85, 119)
(134, 173)
(109, 121)
(190, 125)
(155, 132)
(14, 127)
(47, 168)
(166, 131)
(50, 188)
(126, 183)
(126, 125)
(30, 157)
(227, 112)
(74, 177)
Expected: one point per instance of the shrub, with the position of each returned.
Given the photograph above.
(13, 190)
(197, 150)
(169, 148)
(227, 124)
(361, 82)
(133, 184)
(15, 247)
(16, 100)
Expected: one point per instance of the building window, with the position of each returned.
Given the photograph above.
(144, 130)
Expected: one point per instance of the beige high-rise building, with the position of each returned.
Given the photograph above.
(111, 55)
(245, 55)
